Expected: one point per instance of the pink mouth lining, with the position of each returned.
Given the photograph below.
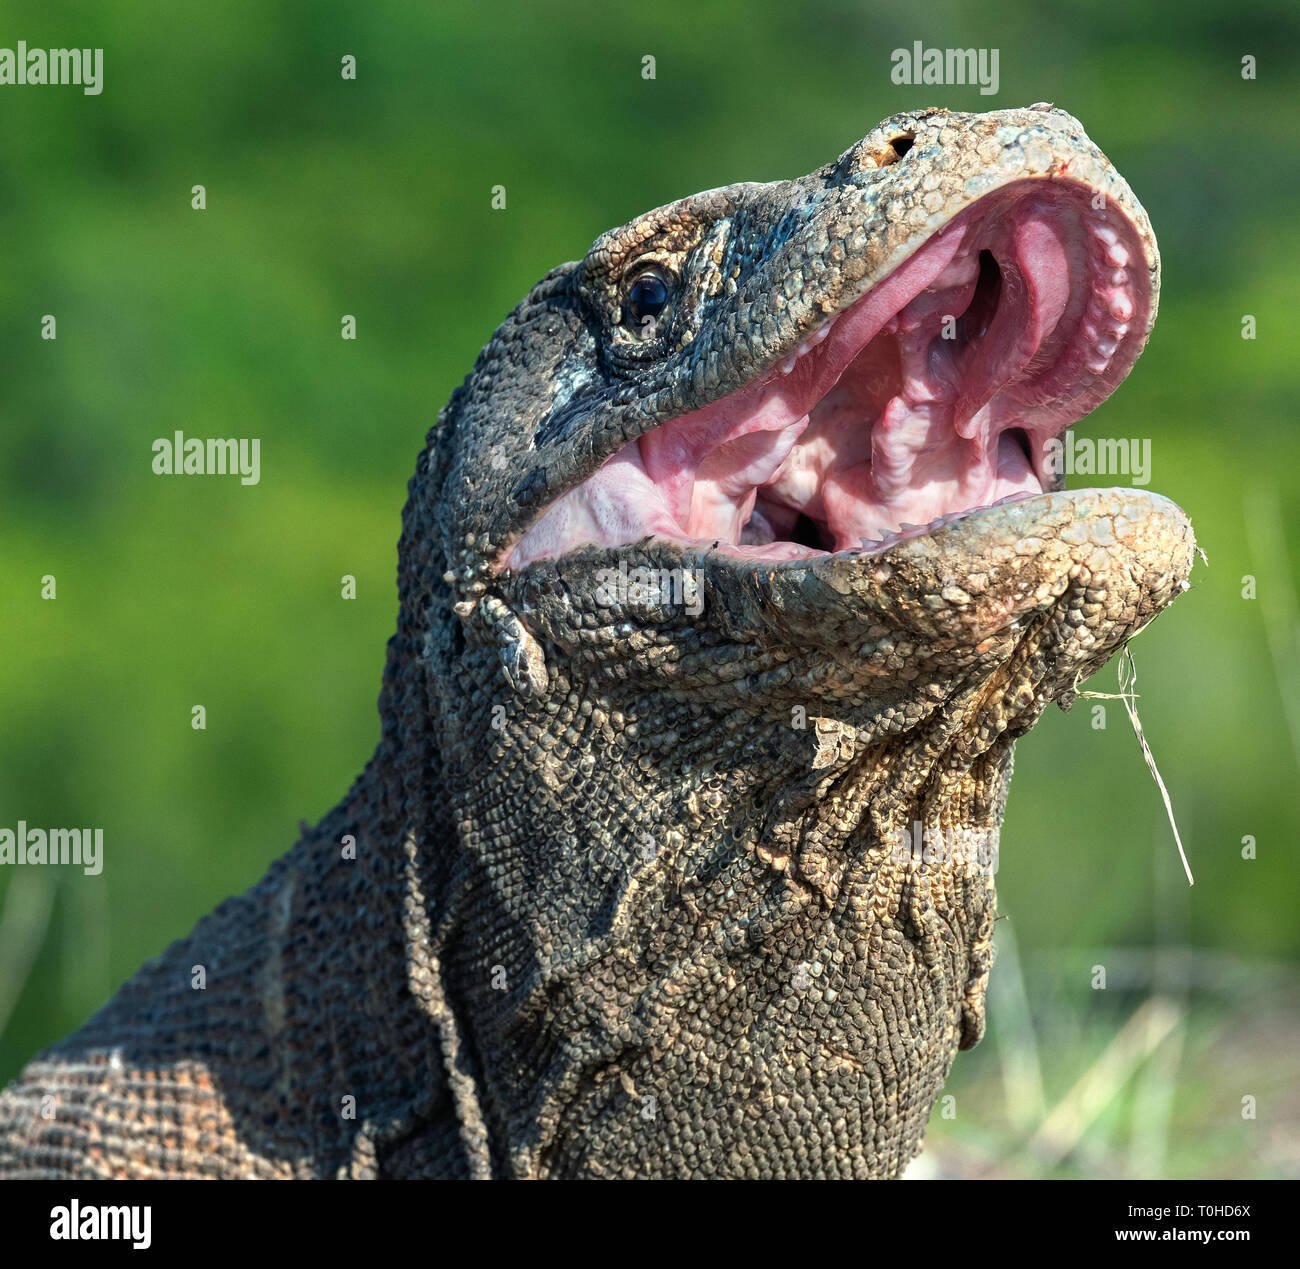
(929, 397)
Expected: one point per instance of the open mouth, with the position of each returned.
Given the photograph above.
(932, 396)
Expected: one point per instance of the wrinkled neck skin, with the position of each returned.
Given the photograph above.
(672, 911)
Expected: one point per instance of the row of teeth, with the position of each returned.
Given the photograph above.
(1106, 321)
(808, 345)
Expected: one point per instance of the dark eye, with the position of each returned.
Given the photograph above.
(647, 297)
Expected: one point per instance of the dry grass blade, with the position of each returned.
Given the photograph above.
(1126, 694)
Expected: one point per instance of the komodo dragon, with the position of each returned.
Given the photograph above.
(741, 553)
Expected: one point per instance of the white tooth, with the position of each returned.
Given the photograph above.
(1099, 365)
(788, 364)
(1107, 346)
(1117, 256)
(802, 350)
(1106, 234)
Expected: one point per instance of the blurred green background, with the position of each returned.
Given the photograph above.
(372, 197)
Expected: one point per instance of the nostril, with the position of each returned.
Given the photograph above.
(891, 151)
(862, 159)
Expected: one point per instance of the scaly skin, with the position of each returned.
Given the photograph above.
(626, 899)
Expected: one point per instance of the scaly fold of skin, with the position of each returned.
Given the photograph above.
(631, 894)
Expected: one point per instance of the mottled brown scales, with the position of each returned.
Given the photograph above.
(613, 910)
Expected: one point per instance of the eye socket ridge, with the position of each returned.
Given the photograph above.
(646, 298)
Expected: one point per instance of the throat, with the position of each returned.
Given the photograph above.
(687, 945)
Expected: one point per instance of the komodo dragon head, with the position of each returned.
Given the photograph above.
(729, 577)
(757, 558)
